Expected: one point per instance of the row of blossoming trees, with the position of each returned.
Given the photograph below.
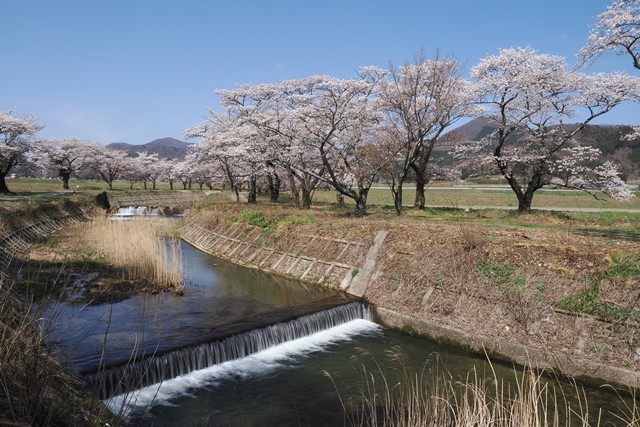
(383, 125)
(70, 157)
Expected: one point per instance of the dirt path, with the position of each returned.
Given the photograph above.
(540, 208)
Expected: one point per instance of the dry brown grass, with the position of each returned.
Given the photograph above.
(34, 389)
(139, 249)
(406, 397)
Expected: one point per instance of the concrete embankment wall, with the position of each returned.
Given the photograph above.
(322, 260)
(184, 199)
(16, 240)
(381, 266)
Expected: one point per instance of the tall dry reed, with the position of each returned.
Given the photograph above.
(139, 248)
(34, 388)
(406, 397)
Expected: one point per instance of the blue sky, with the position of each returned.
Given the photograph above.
(134, 71)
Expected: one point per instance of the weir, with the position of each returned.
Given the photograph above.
(134, 211)
(154, 369)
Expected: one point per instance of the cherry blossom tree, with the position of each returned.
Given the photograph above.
(221, 149)
(133, 172)
(171, 171)
(16, 139)
(67, 156)
(108, 163)
(338, 119)
(420, 100)
(273, 109)
(617, 29)
(530, 98)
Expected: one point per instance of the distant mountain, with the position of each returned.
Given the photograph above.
(474, 130)
(608, 138)
(166, 148)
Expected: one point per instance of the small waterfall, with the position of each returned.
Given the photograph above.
(155, 369)
(131, 211)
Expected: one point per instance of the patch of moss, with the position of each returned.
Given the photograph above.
(586, 302)
(498, 273)
(625, 264)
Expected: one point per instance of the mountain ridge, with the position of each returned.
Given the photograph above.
(606, 137)
(165, 148)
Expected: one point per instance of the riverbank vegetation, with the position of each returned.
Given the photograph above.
(139, 248)
(394, 394)
(115, 257)
(34, 388)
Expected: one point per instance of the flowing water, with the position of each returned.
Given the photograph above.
(136, 211)
(241, 348)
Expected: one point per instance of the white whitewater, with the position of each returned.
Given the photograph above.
(260, 363)
(133, 211)
(160, 368)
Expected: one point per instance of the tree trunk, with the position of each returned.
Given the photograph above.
(201, 184)
(294, 188)
(131, 185)
(153, 185)
(361, 207)
(189, 184)
(65, 180)
(184, 185)
(306, 198)
(145, 184)
(420, 185)
(397, 199)
(524, 201)
(274, 187)
(3, 185)
(361, 202)
(253, 191)
(110, 185)
(340, 199)
(171, 185)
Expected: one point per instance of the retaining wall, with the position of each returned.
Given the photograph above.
(155, 199)
(18, 241)
(349, 268)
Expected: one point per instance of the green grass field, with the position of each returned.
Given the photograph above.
(484, 197)
(23, 186)
(449, 197)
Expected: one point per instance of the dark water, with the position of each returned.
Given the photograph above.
(286, 384)
(289, 386)
(220, 298)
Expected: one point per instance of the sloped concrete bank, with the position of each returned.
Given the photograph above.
(18, 237)
(375, 261)
(326, 261)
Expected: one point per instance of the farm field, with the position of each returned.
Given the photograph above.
(498, 197)
(445, 194)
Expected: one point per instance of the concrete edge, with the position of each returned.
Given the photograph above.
(579, 368)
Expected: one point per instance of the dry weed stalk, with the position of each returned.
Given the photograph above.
(406, 397)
